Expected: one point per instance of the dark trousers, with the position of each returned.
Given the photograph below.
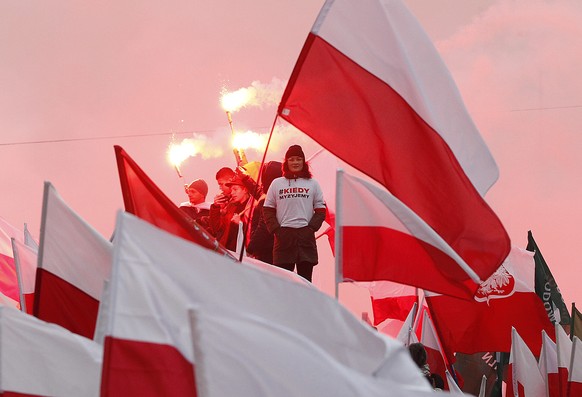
(304, 269)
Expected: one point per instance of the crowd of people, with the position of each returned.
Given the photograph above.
(274, 219)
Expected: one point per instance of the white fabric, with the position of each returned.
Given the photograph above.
(295, 200)
(575, 367)
(548, 361)
(525, 368)
(563, 346)
(42, 359)
(71, 248)
(384, 38)
(406, 335)
(156, 276)
(239, 354)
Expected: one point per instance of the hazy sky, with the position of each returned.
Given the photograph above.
(77, 78)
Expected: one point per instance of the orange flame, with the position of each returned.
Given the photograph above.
(234, 101)
(249, 139)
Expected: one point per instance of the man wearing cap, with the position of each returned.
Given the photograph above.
(196, 206)
(225, 221)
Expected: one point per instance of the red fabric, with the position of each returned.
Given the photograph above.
(29, 301)
(367, 250)
(554, 385)
(574, 389)
(145, 200)
(471, 327)
(333, 100)
(133, 368)
(394, 307)
(8, 280)
(60, 302)
(563, 381)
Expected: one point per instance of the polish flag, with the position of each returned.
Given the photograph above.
(25, 261)
(507, 299)
(406, 335)
(239, 354)
(548, 365)
(369, 76)
(143, 198)
(564, 348)
(435, 357)
(526, 379)
(73, 261)
(8, 278)
(575, 373)
(157, 276)
(391, 300)
(42, 359)
(382, 239)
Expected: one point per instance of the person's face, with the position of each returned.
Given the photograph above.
(222, 185)
(295, 163)
(239, 194)
(194, 196)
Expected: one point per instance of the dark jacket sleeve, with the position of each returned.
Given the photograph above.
(317, 219)
(270, 215)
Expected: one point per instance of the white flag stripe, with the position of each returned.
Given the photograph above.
(44, 359)
(395, 38)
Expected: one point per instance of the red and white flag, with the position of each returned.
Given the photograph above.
(564, 348)
(42, 359)
(575, 372)
(391, 300)
(380, 238)
(8, 278)
(25, 262)
(157, 276)
(507, 299)
(406, 335)
(74, 260)
(369, 73)
(435, 357)
(548, 365)
(240, 354)
(526, 379)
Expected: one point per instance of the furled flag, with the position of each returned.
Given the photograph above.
(546, 286)
(406, 335)
(526, 379)
(240, 354)
(157, 276)
(435, 357)
(368, 73)
(143, 198)
(564, 348)
(42, 359)
(507, 299)
(575, 375)
(73, 261)
(576, 327)
(25, 262)
(380, 238)
(8, 278)
(548, 365)
(391, 301)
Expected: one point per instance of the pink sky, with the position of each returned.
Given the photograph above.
(84, 77)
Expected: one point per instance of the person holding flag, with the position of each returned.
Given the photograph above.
(294, 210)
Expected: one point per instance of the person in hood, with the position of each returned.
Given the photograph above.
(261, 241)
(294, 210)
(196, 207)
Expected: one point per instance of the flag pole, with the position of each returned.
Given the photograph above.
(18, 268)
(338, 234)
(252, 209)
(572, 321)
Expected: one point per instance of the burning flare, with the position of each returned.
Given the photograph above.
(249, 139)
(234, 101)
(190, 147)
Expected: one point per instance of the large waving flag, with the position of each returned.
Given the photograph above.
(526, 379)
(73, 262)
(42, 359)
(156, 277)
(380, 238)
(369, 74)
(239, 354)
(507, 299)
(143, 198)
